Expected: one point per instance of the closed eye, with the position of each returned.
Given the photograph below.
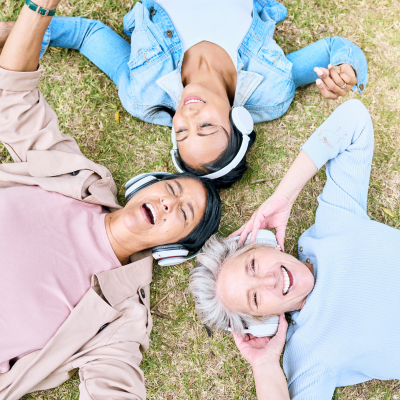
(171, 189)
(184, 214)
(255, 299)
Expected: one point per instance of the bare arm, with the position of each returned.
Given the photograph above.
(275, 211)
(263, 354)
(22, 49)
(27, 122)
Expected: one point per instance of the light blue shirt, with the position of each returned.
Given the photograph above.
(348, 330)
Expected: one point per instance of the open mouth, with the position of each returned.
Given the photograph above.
(149, 213)
(192, 99)
(287, 280)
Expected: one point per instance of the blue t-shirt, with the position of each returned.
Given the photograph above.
(347, 332)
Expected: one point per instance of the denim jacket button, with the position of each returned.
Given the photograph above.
(143, 294)
(153, 11)
(362, 86)
(169, 33)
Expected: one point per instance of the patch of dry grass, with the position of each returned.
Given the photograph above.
(182, 361)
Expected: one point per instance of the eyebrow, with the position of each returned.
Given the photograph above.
(179, 186)
(188, 204)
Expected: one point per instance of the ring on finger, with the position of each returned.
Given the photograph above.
(342, 87)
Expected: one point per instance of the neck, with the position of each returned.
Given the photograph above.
(121, 249)
(311, 268)
(209, 65)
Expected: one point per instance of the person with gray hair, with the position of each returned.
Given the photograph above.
(342, 291)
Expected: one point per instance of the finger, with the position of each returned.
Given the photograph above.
(247, 230)
(324, 91)
(282, 327)
(337, 78)
(333, 87)
(280, 236)
(243, 235)
(237, 232)
(256, 227)
(350, 80)
(237, 338)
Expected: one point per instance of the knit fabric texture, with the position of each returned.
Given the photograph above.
(348, 331)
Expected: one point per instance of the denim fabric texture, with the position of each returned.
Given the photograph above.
(148, 71)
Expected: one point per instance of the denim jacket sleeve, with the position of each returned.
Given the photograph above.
(334, 51)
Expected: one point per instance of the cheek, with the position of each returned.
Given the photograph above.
(130, 220)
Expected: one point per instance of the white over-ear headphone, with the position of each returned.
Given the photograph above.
(269, 327)
(168, 254)
(244, 122)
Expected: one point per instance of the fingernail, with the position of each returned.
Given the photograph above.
(318, 82)
(329, 66)
(318, 71)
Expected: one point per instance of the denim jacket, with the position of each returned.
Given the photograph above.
(266, 78)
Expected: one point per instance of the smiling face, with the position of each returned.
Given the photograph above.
(264, 281)
(202, 126)
(162, 213)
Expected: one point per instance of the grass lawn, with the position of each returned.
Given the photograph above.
(183, 363)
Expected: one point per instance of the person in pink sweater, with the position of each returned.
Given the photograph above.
(75, 267)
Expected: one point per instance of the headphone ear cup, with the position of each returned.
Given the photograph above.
(264, 236)
(243, 120)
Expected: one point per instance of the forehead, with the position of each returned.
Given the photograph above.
(231, 282)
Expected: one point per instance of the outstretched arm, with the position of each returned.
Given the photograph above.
(263, 354)
(22, 48)
(27, 122)
(346, 140)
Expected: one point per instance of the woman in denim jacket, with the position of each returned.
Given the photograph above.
(157, 77)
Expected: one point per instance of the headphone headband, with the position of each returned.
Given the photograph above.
(244, 123)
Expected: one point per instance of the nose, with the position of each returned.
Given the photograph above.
(190, 111)
(168, 203)
(270, 280)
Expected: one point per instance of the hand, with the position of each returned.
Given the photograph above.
(261, 350)
(273, 213)
(333, 79)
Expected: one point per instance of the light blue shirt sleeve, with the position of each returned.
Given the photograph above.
(334, 51)
(316, 383)
(346, 141)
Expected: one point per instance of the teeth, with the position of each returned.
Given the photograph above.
(150, 207)
(194, 101)
(286, 283)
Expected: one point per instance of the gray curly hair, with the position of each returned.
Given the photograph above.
(203, 284)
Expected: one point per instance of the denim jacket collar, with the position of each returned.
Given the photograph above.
(172, 84)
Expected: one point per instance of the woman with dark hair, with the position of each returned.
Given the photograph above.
(75, 267)
(189, 63)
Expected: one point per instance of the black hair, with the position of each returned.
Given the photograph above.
(234, 142)
(208, 225)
